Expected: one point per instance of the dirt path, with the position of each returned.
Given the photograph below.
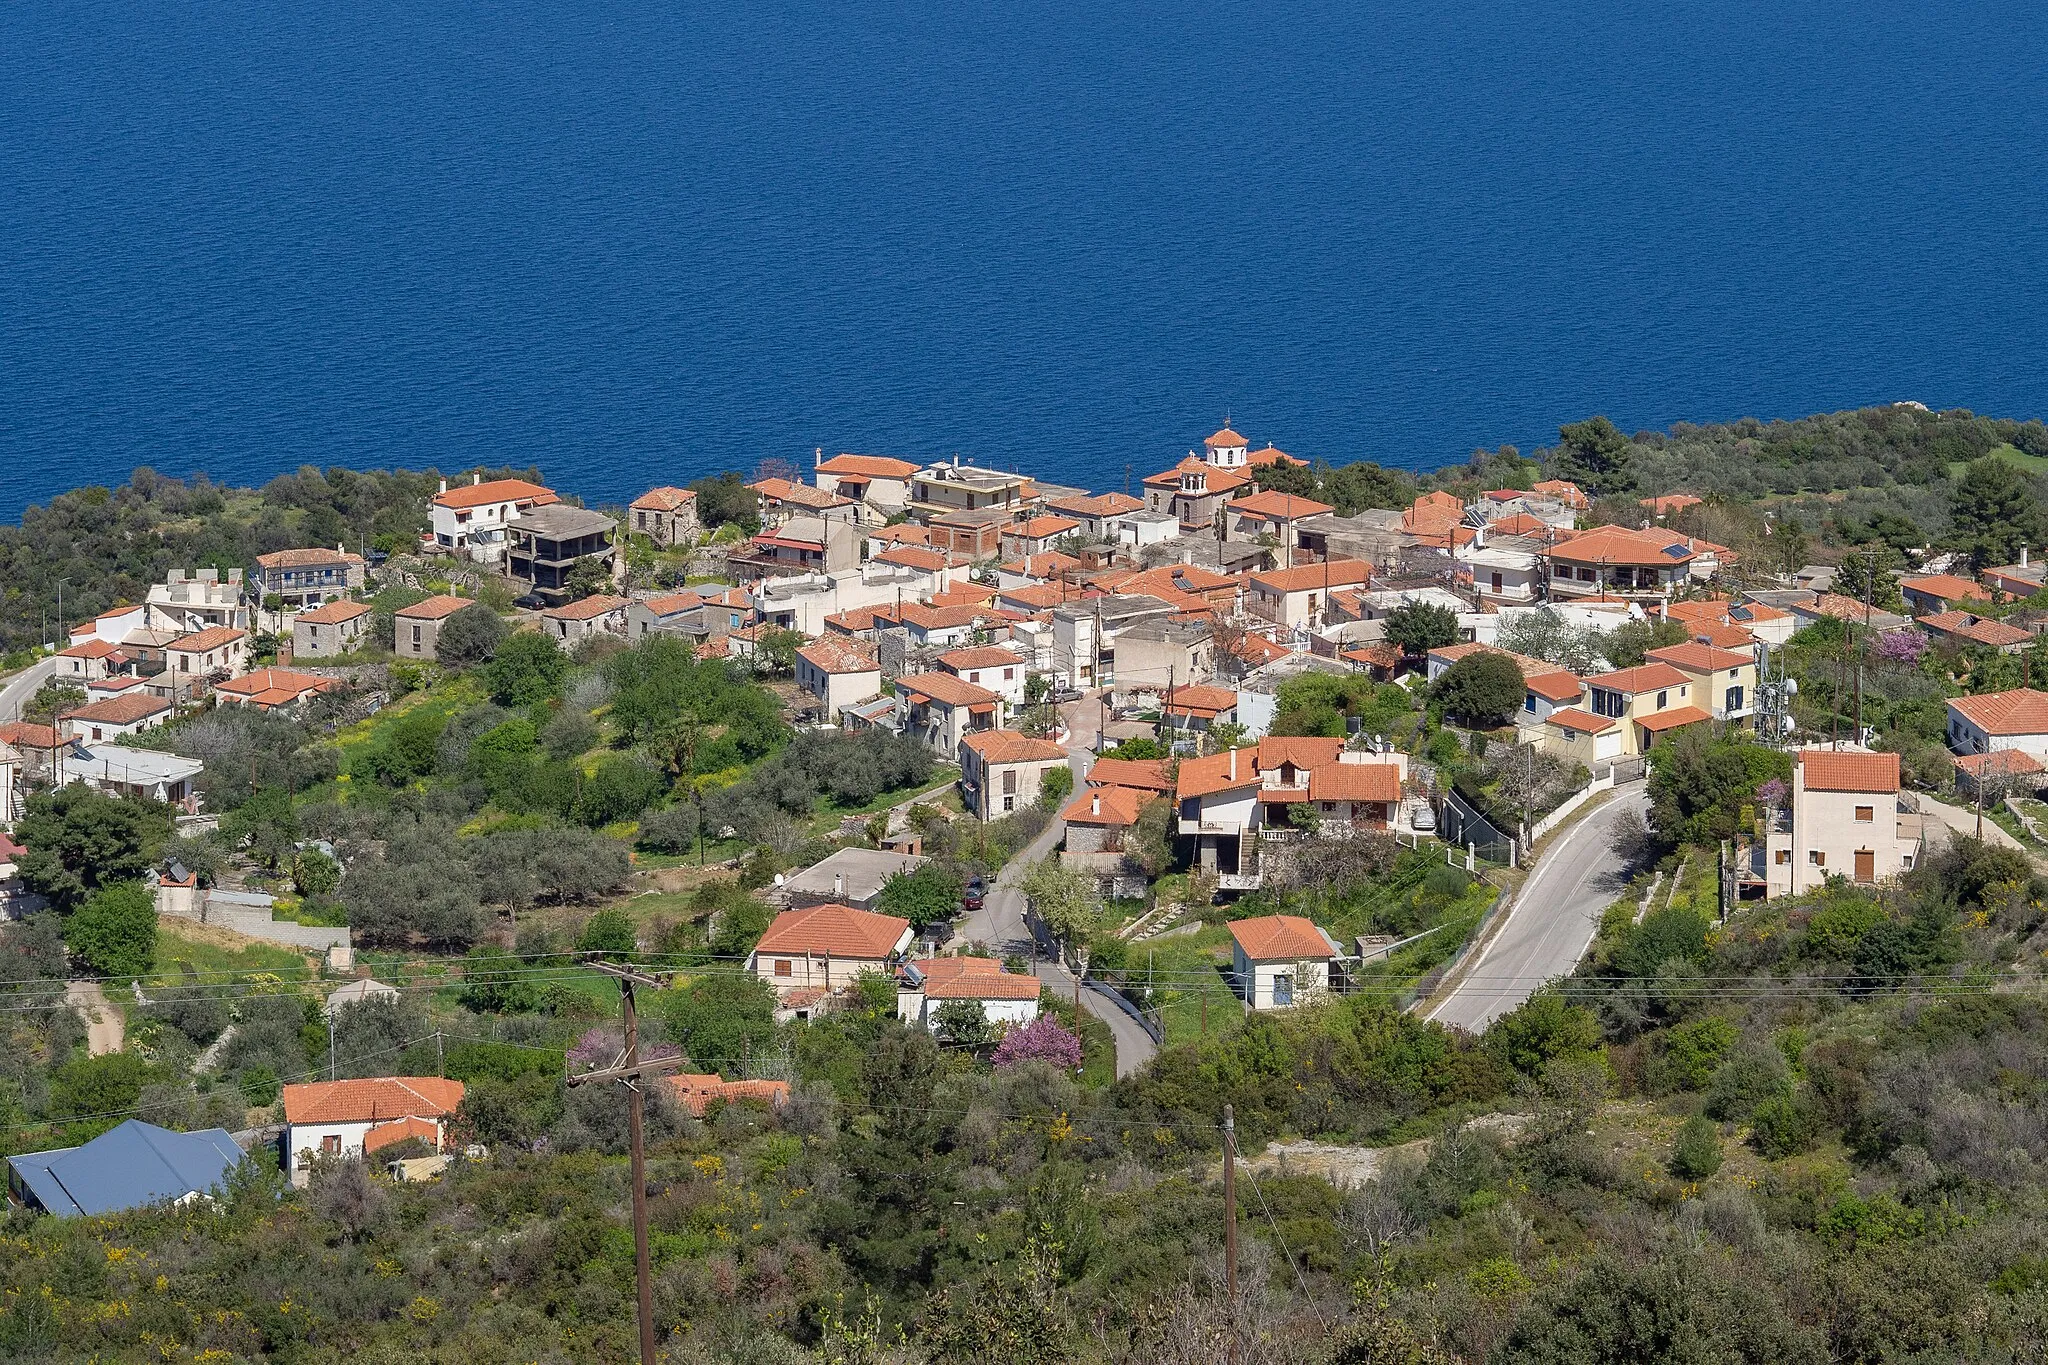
(103, 1023)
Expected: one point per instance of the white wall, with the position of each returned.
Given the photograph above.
(1310, 978)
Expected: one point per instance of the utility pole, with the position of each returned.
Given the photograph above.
(440, 1055)
(630, 1070)
(1230, 1223)
(330, 1013)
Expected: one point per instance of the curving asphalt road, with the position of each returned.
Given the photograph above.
(1552, 922)
(20, 689)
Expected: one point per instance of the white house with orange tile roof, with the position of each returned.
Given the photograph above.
(114, 717)
(1844, 820)
(1643, 703)
(1299, 597)
(215, 652)
(781, 500)
(1001, 670)
(1638, 565)
(1002, 771)
(1036, 535)
(1961, 629)
(1928, 594)
(826, 948)
(1102, 515)
(880, 481)
(839, 671)
(1007, 999)
(469, 519)
(340, 1120)
(1197, 707)
(89, 660)
(665, 515)
(1280, 961)
(1994, 721)
(1723, 680)
(1225, 800)
(571, 624)
(940, 710)
(1278, 515)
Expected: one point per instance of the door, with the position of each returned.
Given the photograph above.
(1866, 865)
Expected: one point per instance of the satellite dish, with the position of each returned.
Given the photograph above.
(1791, 687)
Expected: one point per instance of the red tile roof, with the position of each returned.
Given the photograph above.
(1143, 774)
(2021, 711)
(28, 735)
(973, 978)
(1214, 480)
(1672, 719)
(1698, 658)
(124, 710)
(695, 1091)
(91, 649)
(1619, 545)
(1670, 502)
(1976, 629)
(1225, 437)
(979, 656)
(914, 557)
(1274, 506)
(1038, 528)
(336, 613)
(798, 494)
(1335, 573)
(946, 689)
(838, 654)
(663, 499)
(1946, 586)
(673, 604)
(1113, 807)
(1724, 637)
(869, 466)
(1303, 751)
(1280, 938)
(213, 637)
(1555, 686)
(1572, 718)
(436, 608)
(1999, 763)
(375, 1100)
(1273, 455)
(1355, 782)
(1197, 700)
(1010, 746)
(1564, 490)
(277, 680)
(1098, 505)
(838, 930)
(299, 559)
(1827, 770)
(1642, 678)
(471, 495)
(588, 609)
(1218, 772)
(1048, 564)
(390, 1134)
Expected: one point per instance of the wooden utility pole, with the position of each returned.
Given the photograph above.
(629, 1071)
(1230, 1223)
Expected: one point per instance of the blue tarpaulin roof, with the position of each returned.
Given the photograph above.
(129, 1167)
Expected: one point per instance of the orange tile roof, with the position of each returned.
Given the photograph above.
(663, 499)
(838, 930)
(673, 604)
(1946, 586)
(336, 613)
(1999, 763)
(996, 747)
(1377, 656)
(470, 495)
(979, 656)
(1672, 719)
(213, 637)
(1190, 579)
(973, 978)
(1214, 480)
(1555, 686)
(1098, 505)
(1279, 938)
(91, 649)
(1975, 629)
(436, 608)
(939, 618)
(1039, 527)
(1335, 573)
(1830, 771)
(914, 557)
(1695, 657)
(903, 533)
(1274, 506)
(28, 735)
(1225, 437)
(1642, 678)
(1195, 699)
(390, 1134)
(124, 710)
(1619, 545)
(719, 648)
(1756, 613)
(1046, 565)
(963, 595)
(1273, 455)
(1218, 772)
(1355, 782)
(1564, 490)
(1303, 751)
(1039, 596)
(1111, 807)
(1520, 524)
(2022, 711)
(1144, 774)
(1572, 718)
(1708, 610)
(375, 1100)
(838, 654)
(945, 688)
(1725, 637)
(1257, 650)
(1670, 502)
(587, 609)
(284, 680)
(869, 466)
(798, 494)
(695, 1091)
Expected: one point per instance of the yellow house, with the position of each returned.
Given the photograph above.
(1624, 712)
(1723, 680)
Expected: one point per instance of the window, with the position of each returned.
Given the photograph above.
(1662, 699)
(1865, 814)
(331, 1144)
(1732, 701)
(1009, 803)
(1009, 675)
(1784, 856)
(1817, 858)
(782, 966)
(416, 635)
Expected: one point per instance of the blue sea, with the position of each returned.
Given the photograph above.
(634, 242)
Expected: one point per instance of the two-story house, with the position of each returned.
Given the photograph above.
(1623, 714)
(305, 578)
(817, 951)
(1299, 598)
(1723, 680)
(1844, 821)
(549, 543)
(340, 627)
(666, 515)
(571, 624)
(416, 629)
(469, 520)
(1003, 771)
(1996, 721)
(878, 481)
(1275, 519)
(940, 710)
(998, 669)
(1102, 515)
(838, 671)
(1613, 561)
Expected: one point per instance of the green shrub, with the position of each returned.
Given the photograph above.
(1697, 1152)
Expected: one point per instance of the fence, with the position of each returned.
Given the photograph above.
(1124, 1003)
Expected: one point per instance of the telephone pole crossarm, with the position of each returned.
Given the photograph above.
(633, 1072)
(625, 973)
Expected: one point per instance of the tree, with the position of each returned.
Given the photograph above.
(924, 896)
(1628, 644)
(493, 982)
(1418, 627)
(591, 575)
(1700, 784)
(470, 637)
(80, 840)
(1482, 689)
(619, 788)
(314, 874)
(775, 651)
(52, 700)
(1696, 1154)
(1866, 575)
(720, 1018)
(527, 668)
(1055, 787)
(724, 498)
(1063, 898)
(610, 932)
(1993, 513)
(964, 1023)
(265, 824)
(114, 933)
(1594, 456)
(1044, 1039)
(1543, 1029)
(1545, 634)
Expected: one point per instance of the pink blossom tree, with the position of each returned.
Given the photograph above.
(1901, 646)
(1043, 1039)
(600, 1047)
(1774, 793)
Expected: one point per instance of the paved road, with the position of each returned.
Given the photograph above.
(1134, 1046)
(1943, 821)
(1551, 923)
(21, 688)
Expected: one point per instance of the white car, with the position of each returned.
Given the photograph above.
(1423, 821)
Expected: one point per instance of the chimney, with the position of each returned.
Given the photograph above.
(838, 883)
(2023, 556)
(1233, 765)
(817, 456)
(476, 478)
(1095, 803)
(444, 485)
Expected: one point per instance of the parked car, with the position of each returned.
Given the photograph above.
(971, 898)
(1423, 821)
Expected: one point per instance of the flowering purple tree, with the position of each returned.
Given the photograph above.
(1043, 1039)
(1774, 793)
(601, 1046)
(1901, 646)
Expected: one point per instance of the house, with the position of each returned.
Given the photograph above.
(469, 521)
(1037, 535)
(782, 499)
(1049, 567)
(1101, 818)
(1190, 587)
(1933, 593)
(1501, 574)
(1723, 680)
(1000, 670)
(1830, 606)
(802, 544)
(120, 771)
(848, 876)
(974, 533)
(2015, 580)
(1564, 491)
(824, 949)
(35, 750)
(1007, 999)
(1102, 515)
(340, 1120)
(416, 629)
(1636, 565)
(89, 661)
(339, 627)
(112, 627)
(1085, 635)
(667, 516)
(548, 544)
(689, 613)
(1003, 771)
(134, 1165)
(1195, 491)
(1959, 629)
(1279, 961)
(880, 482)
(1993, 776)
(1543, 695)
(1164, 650)
(954, 486)
(1649, 701)
(1197, 707)
(925, 571)
(272, 689)
(306, 578)
(1844, 821)
(217, 652)
(129, 714)
(570, 625)
(1138, 774)
(940, 710)
(357, 992)
(1278, 515)
(1227, 799)
(1663, 507)
(1577, 735)
(1996, 721)
(696, 1092)
(839, 671)
(1299, 598)
(191, 600)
